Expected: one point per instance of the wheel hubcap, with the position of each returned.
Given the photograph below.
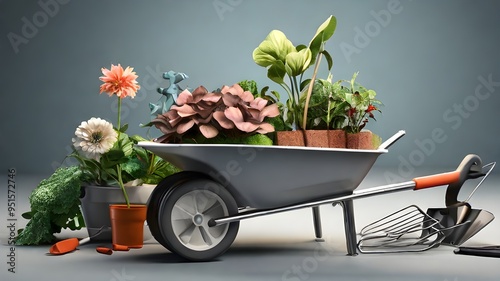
(190, 216)
(198, 219)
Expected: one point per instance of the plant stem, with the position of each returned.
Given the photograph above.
(328, 121)
(291, 98)
(297, 89)
(309, 90)
(292, 94)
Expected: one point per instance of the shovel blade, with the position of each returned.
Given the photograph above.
(460, 223)
(478, 220)
(63, 247)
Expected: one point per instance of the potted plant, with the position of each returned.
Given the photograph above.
(281, 58)
(361, 104)
(326, 115)
(110, 169)
(228, 115)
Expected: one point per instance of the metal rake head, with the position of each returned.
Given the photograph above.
(407, 230)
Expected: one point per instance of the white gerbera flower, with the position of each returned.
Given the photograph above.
(94, 137)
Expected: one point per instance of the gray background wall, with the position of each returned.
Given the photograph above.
(425, 60)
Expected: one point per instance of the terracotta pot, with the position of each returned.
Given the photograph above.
(314, 138)
(290, 138)
(337, 139)
(127, 224)
(361, 140)
(317, 138)
(95, 201)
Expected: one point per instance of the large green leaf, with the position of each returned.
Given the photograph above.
(275, 47)
(112, 158)
(298, 62)
(277, 72)
(125, 144)
(262, 58)
(328, 58)
(326, 29)
(324, 32)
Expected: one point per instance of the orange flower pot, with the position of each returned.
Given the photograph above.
(127, 224)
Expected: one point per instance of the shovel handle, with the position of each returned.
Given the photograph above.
(470, 167)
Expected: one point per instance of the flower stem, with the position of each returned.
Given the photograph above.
(118, 167)
(120, 182)
(119, 113)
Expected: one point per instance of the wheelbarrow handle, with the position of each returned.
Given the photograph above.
(436, 180)
(470, 167)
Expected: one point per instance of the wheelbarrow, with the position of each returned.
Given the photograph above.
(196, 213)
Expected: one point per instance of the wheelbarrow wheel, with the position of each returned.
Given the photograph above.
(184, 215)
(163, 188)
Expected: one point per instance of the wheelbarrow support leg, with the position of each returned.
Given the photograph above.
(349, 226)
(317, 224)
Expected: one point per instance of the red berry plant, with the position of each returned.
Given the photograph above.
(360, 105)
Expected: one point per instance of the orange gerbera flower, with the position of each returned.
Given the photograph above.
(118, 81)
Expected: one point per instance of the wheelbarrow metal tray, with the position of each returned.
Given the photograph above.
(266, 177)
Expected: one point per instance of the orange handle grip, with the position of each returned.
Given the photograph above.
(436, 180)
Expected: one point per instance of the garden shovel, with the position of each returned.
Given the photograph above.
(66, 246)
(459, 221)
(69, 245)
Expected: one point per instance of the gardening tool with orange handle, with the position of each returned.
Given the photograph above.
(66, 246)
(69, 245)
(411, 229)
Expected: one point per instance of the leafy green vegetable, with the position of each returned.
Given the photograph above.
(55, 204)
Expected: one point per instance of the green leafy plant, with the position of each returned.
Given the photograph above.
(55, 205)
(326, 106)
(361, 103)
(281, 58)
